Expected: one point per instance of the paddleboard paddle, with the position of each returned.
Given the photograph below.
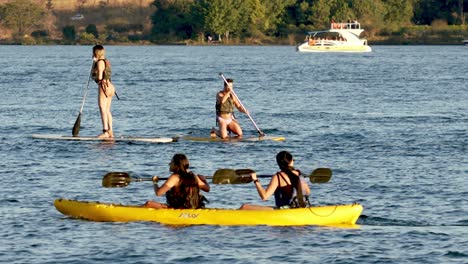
(76, 126)
(248, 114)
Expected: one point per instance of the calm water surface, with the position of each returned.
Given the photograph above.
(392, 124)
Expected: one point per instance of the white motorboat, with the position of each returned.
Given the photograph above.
(341, 37)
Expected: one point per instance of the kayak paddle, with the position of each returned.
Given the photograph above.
(230, 176)
(221, 176)
(76, 126)
(123, 179)
(248, 114)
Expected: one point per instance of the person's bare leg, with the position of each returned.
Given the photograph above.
(255, 207)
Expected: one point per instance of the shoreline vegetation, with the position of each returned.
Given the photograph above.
(215, 22)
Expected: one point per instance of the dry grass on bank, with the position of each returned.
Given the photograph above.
(73, 5)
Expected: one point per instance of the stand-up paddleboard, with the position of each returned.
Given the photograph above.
(115, 139)
(217, 139)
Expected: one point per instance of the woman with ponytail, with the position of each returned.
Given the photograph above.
(182, 188)
(288, 186)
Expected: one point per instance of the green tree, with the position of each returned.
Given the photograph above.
(222, 17)
(301, 12)
(399, 12)
(321, 13)
(426, 11)
(87, 39)
(69, 33)
(199, 9)
(341, 11)
(92, 29)
(22, 16)
(264, 16)
(369, 13)
(173, 19)
(276, 14)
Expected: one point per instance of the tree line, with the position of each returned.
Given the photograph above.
(265, 19)
(227, 21)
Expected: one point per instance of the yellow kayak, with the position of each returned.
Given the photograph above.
(331, 215)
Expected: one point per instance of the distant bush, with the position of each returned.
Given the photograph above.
(28, 41)
(69, 33)
(40, 34)
(92, 29)
(123, 28)
(88, 39)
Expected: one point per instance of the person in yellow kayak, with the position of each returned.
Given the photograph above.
(288, 186)
(225, 119)
(101, 74)
(182, 188)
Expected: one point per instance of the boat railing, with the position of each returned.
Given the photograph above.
(326, 42)
(351, 25)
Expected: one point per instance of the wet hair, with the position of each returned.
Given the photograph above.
(228, 81)
(98, 51)
(283, 159)
(180, 163)
(189, 196)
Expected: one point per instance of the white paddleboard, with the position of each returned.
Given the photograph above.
(217, 139)
(115, 139)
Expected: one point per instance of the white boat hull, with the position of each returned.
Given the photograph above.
(338, 48)
(341, 37)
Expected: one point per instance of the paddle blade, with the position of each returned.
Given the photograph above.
(320, 175)
(230, 176)
(76, 126)
(116, 179)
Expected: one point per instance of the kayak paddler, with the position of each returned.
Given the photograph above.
(288, 186)
(182, 188)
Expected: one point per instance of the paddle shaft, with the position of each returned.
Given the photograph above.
(160, 178)
(230, 176)
(76, 126)
(87, 88)
(248, 114)
(122, 179)
(221, 176)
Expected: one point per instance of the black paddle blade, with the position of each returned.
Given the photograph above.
(76, 126)
(230, 176)
(116, 179)
(320, 175)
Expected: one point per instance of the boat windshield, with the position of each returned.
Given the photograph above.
(325, 35)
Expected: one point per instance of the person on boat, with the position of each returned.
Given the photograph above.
(288, 186)
(101, 74)
(182, 188)
(225, 102)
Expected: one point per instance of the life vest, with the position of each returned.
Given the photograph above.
(286, 195)
(186, 195)
(226, 107)
(106, 75)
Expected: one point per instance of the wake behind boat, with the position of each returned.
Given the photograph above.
(331, 215)
(114, 139)
(341, 37)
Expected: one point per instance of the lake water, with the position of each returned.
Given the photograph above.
(392, 125)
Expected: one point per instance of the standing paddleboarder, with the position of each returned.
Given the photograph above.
(101, 74)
